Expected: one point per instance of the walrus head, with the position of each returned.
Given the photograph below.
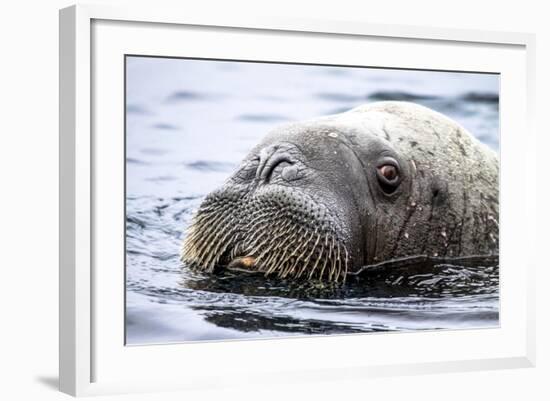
(325, 197)
(298, 206)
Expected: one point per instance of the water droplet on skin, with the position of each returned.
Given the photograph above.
(407, 235)
(333, 134)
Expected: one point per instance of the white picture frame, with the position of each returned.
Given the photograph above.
(93, 358)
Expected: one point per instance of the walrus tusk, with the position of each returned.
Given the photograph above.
(244, 262)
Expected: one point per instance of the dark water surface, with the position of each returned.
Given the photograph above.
(189, 124)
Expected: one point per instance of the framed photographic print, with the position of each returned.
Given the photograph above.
(335, 190)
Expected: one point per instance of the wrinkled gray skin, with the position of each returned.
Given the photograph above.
(308, 201)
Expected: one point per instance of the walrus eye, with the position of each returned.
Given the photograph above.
(389, 172)
(388, 177)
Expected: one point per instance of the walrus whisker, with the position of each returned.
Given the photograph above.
(326, 259)
(212, 227)
(346, 263)
(252, 225)
(300, 233)
(269, 265)
(290, 247)
(259, 226)
(289, 265)
(327, 267)
(284, 249)
(327, 256)
(207, 219)
(332, 272)
(281, 231)
(306, 262)
(202, 218)
(305, 249)
(192, 236)
(258, 240)
(219, 249)
(268, 247)
(316, 263)
(333, 252)
(338, 260)
(206, 246)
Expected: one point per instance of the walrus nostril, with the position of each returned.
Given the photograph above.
(290, 173)
(270, 159)
(276, 161)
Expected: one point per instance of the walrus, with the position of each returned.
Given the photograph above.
(323, 198)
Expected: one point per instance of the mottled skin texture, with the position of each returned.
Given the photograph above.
(308, 201)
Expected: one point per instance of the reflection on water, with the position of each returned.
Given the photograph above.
(189, 124)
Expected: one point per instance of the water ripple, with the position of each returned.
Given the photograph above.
(262, 117)
(210, 165)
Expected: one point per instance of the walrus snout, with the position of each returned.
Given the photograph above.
(272, 229)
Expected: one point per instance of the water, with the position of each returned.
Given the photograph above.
(189, 124)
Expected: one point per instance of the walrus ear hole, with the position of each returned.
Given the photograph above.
(388, 177)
